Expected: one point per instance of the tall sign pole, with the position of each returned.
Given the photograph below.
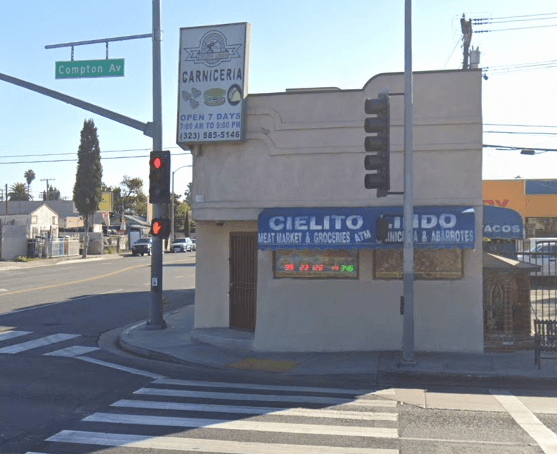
(408, 252)
(157, 315)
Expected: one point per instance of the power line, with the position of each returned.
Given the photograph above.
(75, 160)
(527, 18)
(75, 153)
(516, 28)
(520, 126)
(522, 132)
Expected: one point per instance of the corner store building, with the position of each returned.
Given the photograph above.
(304, 153)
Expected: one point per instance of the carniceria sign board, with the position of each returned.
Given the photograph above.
(81, 69)
(212, 83)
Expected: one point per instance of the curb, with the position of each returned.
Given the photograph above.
(145, 352)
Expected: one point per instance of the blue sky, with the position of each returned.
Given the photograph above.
(293, 44)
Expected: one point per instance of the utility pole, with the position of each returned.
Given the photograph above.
(47, 186)
(466, 26)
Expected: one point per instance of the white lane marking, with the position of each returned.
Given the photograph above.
(306, 389)
(43, 341)
(273, 411)
(40, 306)
(131, 370)
(238, 396)
(3, 289)
(111, 291)
(260, 426)
(544, 437)
(11, 334)
(201, 445)
(71, 352)
(372, 403)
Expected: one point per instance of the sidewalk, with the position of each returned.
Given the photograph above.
(11, 265)
(225, 348)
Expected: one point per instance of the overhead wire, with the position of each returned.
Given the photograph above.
(75, 159)
(74, 153)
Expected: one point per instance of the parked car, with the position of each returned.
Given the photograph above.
(542, 252)
(182, 245)
(193, 245)
(142, 246)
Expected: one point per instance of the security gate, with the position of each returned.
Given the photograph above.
(543, 286)
(243, 278)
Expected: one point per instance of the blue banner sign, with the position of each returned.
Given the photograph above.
(502, 223)
(355, 228)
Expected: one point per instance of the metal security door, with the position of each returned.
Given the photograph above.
(243, 278)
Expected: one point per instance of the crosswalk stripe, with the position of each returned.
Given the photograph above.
(178, 406)
(372, 403)
(130, 370)
(201, 445)
(73, 351)
(43, 341)
(260, 426)
(239, 396)
(11, 334)
(170, 381)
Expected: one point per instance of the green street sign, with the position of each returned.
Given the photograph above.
(89, 68)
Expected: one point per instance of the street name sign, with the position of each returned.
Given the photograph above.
(82, 69)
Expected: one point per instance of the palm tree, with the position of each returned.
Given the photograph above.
(18, 191)
(29, 177)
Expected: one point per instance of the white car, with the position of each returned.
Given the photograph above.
(182, 245)
(543, 252)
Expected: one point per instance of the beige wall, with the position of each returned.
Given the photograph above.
(305, 149)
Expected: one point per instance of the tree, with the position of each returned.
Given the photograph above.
(134, 198)
(87, 191)
(52, 194)
(187, 225)
(188, 193)
(29, 177)
(18, 191)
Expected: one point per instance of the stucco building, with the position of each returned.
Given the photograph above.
(300, 171)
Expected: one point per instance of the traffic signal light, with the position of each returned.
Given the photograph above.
(160, 227)
(378, 144)
(159, 177)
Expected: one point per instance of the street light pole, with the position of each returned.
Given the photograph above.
(172, 206)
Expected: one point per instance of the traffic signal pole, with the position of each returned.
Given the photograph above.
(408, 250)
(157, 311)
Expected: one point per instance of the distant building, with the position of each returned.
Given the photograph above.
(535, 200)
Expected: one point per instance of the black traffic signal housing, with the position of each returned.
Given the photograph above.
(381, 229)
(160, 227)
(159, 177)
(378, 144)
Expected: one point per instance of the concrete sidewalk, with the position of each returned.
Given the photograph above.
(13, 265)
(225, 348)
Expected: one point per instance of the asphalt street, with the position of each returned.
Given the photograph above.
(66, 387)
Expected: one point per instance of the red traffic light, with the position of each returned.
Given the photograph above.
(156, 162)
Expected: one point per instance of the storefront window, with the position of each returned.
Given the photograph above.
(428, 264)
(316, 263)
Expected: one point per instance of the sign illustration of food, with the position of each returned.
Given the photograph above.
(214, 97)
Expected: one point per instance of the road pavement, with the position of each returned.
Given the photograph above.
(67, 388)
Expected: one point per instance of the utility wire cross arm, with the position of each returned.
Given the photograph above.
(146, 128)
